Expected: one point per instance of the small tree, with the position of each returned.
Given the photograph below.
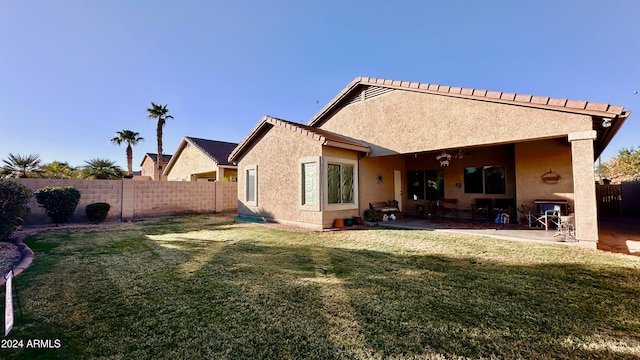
(13, 206)
(60, 170)
(59, 202)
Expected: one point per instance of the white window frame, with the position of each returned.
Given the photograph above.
(301, 199)
(255, 185)
(325, 185)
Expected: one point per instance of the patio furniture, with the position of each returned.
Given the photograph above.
(545, 220)
(385, 208)
(447, 206)
(481, 207)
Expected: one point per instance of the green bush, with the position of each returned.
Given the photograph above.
(59, 202)
(97, 212)
(13, 206)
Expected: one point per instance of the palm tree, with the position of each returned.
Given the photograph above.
(102, 169)
(131, 138)
(159, 112)
(22, 166)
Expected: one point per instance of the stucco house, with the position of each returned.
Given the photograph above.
(201, 160)
(383, 139)
(149, 168)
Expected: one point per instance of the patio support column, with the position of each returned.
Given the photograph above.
(584, 188)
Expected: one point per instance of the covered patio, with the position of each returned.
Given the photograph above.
(516, 232)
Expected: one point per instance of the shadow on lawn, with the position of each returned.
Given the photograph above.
(250, 298)
(424, 305)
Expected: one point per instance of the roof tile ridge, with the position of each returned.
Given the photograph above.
(500, 95)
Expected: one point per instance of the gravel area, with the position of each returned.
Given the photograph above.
(10, 256)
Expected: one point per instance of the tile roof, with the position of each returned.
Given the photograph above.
(324, 137)
(558, 104)
(217, 150)
(165, 157)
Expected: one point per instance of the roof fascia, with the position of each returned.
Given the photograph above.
(176, 155)
(243, 146)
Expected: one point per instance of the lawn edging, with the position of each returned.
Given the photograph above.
(25, 261)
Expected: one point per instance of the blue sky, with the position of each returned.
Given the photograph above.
(74, 72)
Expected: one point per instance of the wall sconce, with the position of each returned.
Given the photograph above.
(606, 122)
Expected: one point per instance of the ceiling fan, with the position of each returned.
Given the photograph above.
(460, 153)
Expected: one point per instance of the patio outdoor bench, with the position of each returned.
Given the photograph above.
(385, 208)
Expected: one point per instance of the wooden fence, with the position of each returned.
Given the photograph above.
(609, 198)
(619, 199)
(630, 192)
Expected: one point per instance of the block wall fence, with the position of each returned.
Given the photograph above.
(131, 199)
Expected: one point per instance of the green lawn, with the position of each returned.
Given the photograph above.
(196, 288)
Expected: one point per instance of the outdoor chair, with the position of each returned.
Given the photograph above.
(448, 207)
(546, 219)
(481, 207)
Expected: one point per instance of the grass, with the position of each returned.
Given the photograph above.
(190, 287)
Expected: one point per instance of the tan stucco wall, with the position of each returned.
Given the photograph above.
(370, 189)
(191, 161)
(277, 157)
(147, 167)
(586, 214)
(406, 122)
(533, 159)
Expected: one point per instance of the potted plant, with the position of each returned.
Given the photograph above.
(370, 215)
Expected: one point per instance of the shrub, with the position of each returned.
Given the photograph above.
(97, 212)
(59, 202)
(13, 206)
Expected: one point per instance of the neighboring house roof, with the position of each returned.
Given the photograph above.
(326, 138)
(375, 86)
(217, 151)
(165, 158)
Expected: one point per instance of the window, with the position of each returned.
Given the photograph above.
(485, 180)
(425, 184)
(494, 180)
(309, 184)
(252, 185)
(340, 183)
(473, 180)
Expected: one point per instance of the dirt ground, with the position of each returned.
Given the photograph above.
(620, 234)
